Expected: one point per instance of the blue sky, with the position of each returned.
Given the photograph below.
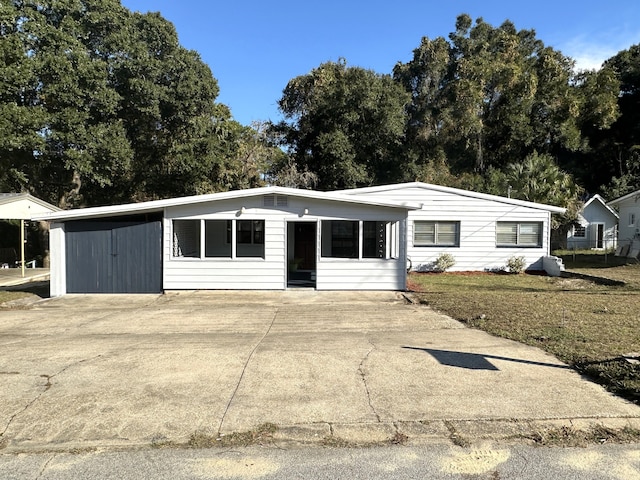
(255, 47)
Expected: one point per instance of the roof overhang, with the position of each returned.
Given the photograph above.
(635, 195)
(160, 205)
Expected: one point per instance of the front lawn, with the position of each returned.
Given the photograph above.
(589, 326)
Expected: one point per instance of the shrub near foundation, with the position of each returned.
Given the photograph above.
(444, 262)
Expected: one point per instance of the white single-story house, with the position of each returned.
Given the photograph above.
(263, 238)
(597, 226)
(480, 231)
(275, 238)
(629, 223)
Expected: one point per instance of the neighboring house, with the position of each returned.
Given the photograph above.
(481, 231)
(629, 223)
(19, 206)
(275, 238)
(597, 226)
(267, 238)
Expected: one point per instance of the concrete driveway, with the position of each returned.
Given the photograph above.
(121, 370)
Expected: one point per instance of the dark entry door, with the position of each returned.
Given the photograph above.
(114, 255)
(305, 245)
(600, 236)
(302, 267)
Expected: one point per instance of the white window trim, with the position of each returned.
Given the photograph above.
(455, 244)
(202, 257)
(391, 238)
(519, 223)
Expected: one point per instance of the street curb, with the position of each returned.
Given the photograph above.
(462, 433)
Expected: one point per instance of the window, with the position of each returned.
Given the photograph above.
(186, 238)
(579, 231)
(429, 234)
(250, 238)
(340, 239)
(632, 219)
(520, 234)
(217, 238)
(374, 239)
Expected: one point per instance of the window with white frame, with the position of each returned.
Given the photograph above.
(519, 234)
(340, 238)
(579, 231)
(359, 239)
(217, 238)
(250, 238)
(186, 238)
(436, 233)
(375, 239)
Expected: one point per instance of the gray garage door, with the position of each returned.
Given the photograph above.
(118, 255)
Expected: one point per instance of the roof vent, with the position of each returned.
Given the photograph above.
(275, 201)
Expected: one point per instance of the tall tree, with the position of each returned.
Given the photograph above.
(99, 104)
(493, 95)
(617, 150)
(345, 125)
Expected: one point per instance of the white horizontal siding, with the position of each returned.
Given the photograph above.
(363, 274)
(627, 230)
(269, 273)
(477, 217)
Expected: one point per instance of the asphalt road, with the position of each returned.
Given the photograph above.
(482, 462)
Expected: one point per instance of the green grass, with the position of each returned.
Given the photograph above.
(588, 325)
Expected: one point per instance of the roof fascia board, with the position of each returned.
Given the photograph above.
(456, 191)
(13, 197)
(604, 204)
(162, 205)
(625, 197)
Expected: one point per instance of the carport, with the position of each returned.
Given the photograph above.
(22, 206)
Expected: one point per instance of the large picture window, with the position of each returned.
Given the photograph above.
(219, 238)
(579, 231)
(519, 234)
(359, 239)
(436, 233)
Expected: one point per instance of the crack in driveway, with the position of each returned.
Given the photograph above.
(47, 386)
(364, 379)
(44, 467)
(244, 369)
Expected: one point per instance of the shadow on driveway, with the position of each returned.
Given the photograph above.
(475, 361)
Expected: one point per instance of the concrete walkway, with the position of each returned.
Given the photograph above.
(130, 370)
(13, 276)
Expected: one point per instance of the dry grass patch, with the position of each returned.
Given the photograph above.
(589, 326)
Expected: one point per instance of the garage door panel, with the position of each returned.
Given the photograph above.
(114, 256)
(137, 252)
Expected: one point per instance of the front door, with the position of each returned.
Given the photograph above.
(301, 257)
(600, 236)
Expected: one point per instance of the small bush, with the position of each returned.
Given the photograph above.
(444, 262)
(516, 264)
